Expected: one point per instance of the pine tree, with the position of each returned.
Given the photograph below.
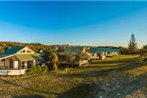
(132, 45)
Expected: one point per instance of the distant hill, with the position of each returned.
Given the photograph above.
(37, 46)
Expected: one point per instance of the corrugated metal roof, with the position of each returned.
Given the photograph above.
(100, 50)
(94, 49)
(11, 51)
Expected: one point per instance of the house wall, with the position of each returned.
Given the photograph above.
(112, 53)
(27, 64)
(115, 53)
(15, 62)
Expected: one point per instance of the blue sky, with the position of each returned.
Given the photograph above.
(75, 23)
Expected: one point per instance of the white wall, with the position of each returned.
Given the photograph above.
(15, 64)
(12, 72)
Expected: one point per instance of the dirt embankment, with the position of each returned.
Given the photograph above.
(121, 85)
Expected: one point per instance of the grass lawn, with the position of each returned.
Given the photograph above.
(73, 83)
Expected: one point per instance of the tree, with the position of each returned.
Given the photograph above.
(46, 56)
(70, 58)
(145, 47)
(143, 51)
(51, 58)
(54, 60)
(132, 44)
(132, 47)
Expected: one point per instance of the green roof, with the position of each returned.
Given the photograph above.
(11, 51)
(94, 49)
(100, 50)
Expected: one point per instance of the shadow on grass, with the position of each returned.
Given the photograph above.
(123, 87)
(28, 96)
(138, 83)
(27, 88)
(80, 91)
(124, 60)
(122, 65)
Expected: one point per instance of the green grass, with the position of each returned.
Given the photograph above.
(75, 83)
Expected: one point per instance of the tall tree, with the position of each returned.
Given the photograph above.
(132, 45)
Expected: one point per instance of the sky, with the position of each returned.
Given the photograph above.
(99, 23)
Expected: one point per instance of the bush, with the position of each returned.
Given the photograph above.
(31, 70)
(45, 69)
(37, 69)
(55, 67)
(144, 61)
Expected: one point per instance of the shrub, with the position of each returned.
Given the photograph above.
(45, 69)
(37, 69)
(31, 70)
(144, 60)
(55, 67)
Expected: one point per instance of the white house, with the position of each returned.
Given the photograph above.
(16, 60)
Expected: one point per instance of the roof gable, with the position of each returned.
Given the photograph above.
(26, 50)
(15, 50)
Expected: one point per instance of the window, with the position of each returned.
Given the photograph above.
(28, 51)
(22, 51)
(2, 62)
(23, 65)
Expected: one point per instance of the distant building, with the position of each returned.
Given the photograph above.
(90, 53)
(102, 53)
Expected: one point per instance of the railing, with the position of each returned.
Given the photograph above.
(12, 71)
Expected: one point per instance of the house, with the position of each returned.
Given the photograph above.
(102, 53)
(90, 53)
(16, 60)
